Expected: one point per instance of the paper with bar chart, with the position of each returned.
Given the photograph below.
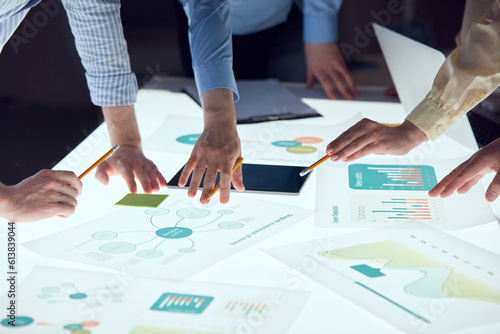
(415, 277)
(176, 240)
(56, 300)
(381, 191)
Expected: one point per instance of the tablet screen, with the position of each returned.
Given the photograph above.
(263, 179)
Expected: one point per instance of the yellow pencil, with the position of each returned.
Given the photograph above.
(307, 170)
(98, 162)
(217, 186)
(314, 165)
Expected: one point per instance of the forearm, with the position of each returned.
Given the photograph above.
(122, 125)
(468, 76)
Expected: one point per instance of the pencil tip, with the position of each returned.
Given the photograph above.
(305, 172)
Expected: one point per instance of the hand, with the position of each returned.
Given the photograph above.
(465, 176)
(129, 162)
(367, 137)
(46, 194)
(217, 149)
(326, 63)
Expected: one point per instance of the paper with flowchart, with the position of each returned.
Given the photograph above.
(415, 277)
(56, 300)
(176, 240)
(386, 191)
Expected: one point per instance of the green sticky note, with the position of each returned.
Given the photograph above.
(142, 200)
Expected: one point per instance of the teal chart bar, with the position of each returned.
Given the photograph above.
(392, 177)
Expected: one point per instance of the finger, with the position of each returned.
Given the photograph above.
(153, 179)
(188, 168)
(225, 182)
(103, 172)
(494, 189)
(341, 86)
(69, 178)
(462, 174)
(346, 138)
(310, 79)
(64, 189)
(238, 179)
(198, 171)
(161, 179)
(363, 152)
(208, 183)
(64, 210)
(356, 147)
(326, 83)
(143, 176)
(128, 175)
(468, 185)
(348, 80)
(438, 188)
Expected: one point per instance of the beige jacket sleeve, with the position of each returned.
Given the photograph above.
(469, 74)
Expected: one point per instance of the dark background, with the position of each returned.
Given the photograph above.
(45, 108)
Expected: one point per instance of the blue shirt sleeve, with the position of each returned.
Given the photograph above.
(97, 28)
(210, 41)
(320, 20)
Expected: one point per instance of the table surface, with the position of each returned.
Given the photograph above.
(325, 311)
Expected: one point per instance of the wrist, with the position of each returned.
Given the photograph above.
(122, 125)
(218, 107)
(413, 133)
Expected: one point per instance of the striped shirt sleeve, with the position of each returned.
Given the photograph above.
(97, 28)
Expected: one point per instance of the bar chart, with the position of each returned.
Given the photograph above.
(182, 303)
(392, 177)
(396, 209)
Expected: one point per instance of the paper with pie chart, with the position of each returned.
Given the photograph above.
(56, 300)
(415, 277)
(388, 191)
(175, 240)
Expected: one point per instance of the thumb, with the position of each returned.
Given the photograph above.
(103, 172)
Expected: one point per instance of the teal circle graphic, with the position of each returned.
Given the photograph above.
(230, 225)
(174, 232)
(187, 250)
(157, 212)
(117, 247)
(51, 289)
(149, 253)
(188, 139)
(104, 235)
(225, 212)
(193, 213)
(287, 143)
(73, 327)
(78, 296)
(20, 321)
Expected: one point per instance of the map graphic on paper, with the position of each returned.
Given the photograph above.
(63, 301)
(175, 240)
(438, 281)
(416, 277)
(391, 177)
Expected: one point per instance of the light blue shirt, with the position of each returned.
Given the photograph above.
(97, 28)
(320, 17)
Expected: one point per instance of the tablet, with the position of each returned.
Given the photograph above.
(270, 179)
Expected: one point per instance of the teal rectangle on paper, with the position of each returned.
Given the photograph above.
(392, 177)
(181, 303)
